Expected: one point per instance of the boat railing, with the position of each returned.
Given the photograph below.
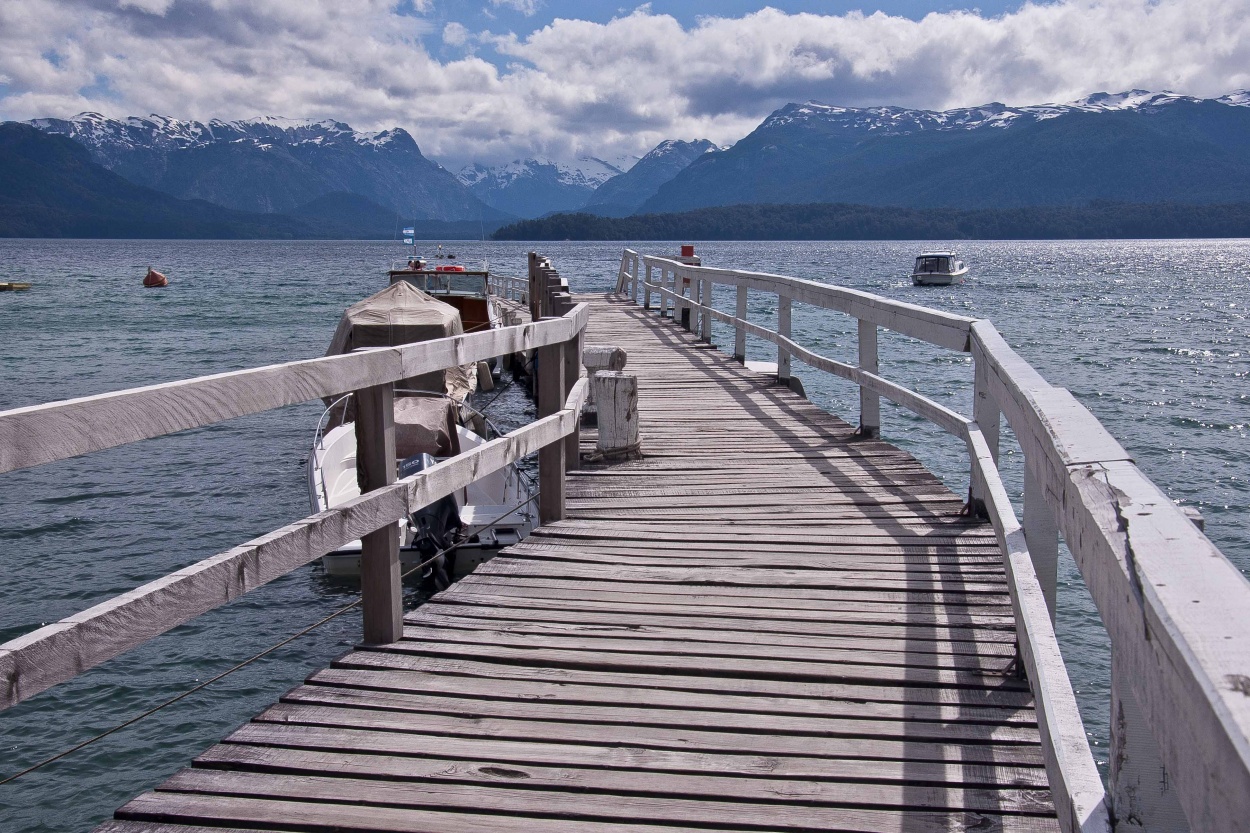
(510, 288)
(1174, 607)
(40, 434)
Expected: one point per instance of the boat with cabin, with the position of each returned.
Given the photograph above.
(433, 422)
(938, 269)
(468, 290)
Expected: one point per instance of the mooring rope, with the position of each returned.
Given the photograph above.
(245, 662)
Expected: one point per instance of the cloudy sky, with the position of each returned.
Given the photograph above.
(499, 79)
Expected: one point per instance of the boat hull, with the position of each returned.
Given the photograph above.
(938, 278)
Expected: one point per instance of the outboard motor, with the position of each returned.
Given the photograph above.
(436, 525)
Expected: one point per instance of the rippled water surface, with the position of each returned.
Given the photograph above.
(1152, 336)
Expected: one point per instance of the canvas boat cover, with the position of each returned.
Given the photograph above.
(403, 314)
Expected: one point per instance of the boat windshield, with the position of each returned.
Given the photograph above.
(453, 283)
(933, 263)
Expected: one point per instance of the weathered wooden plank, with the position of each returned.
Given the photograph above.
(796, 769)
(1012, 698)
(841, 746)
(703, 718)
(428, 767)
(414, 683)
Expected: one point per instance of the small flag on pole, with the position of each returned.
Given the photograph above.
(407, 241)
(409, 230)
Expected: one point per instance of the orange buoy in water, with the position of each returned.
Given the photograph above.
(154, 278)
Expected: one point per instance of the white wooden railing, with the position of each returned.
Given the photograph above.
(1176, 610)
(509, 288)
(45, 433)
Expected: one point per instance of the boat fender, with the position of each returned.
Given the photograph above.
(485, 381)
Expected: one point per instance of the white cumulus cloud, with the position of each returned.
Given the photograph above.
(576, 86)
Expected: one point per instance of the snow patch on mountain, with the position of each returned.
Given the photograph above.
(902, 120)
(103, 134)
(583, 172)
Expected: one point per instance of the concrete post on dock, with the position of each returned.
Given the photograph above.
(617, 397)
(380, 585)
(596, 359)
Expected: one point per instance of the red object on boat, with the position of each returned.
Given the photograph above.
(154, 278)
(448, 268)
(687, 251)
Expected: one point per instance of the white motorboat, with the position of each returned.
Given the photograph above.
(495, 512)
(938, 269)
(492, 513)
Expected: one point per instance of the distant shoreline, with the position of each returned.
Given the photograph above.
(820, 221)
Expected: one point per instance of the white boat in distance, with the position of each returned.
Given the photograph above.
(938, 269)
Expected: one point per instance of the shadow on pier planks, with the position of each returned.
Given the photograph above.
(762, 625)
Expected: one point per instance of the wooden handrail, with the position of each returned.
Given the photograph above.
(41, 434)
(60, 651)
(941, 328)
(1174, 606)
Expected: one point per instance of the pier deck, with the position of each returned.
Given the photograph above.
(765, 624)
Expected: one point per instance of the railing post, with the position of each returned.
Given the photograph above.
(740, 335)
(646, 291)
(783, 328)
(1041, 533)
(381, 598)
(1142, 797)
(988, 417)
(622, 273)
(706, 288)
(668, 304)
(551, 465)
(633, 284)
(869, 401)
(572, 372)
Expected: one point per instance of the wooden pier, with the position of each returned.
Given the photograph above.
(764, 624)
(772, 621)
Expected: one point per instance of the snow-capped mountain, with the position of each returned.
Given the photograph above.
(890, 121)
(534, 187)
(621, 195)
(1134, 146)
(271, 164)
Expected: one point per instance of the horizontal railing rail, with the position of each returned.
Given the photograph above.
(1173, 605)
(45, 433)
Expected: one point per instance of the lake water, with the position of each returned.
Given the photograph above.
(1152, 336)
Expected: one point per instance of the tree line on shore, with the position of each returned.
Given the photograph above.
(820, 221)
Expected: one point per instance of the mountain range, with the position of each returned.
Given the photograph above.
(1133, 147)
(273, 165)
(322, 178)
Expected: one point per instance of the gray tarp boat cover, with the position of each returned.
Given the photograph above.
(403, 314)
